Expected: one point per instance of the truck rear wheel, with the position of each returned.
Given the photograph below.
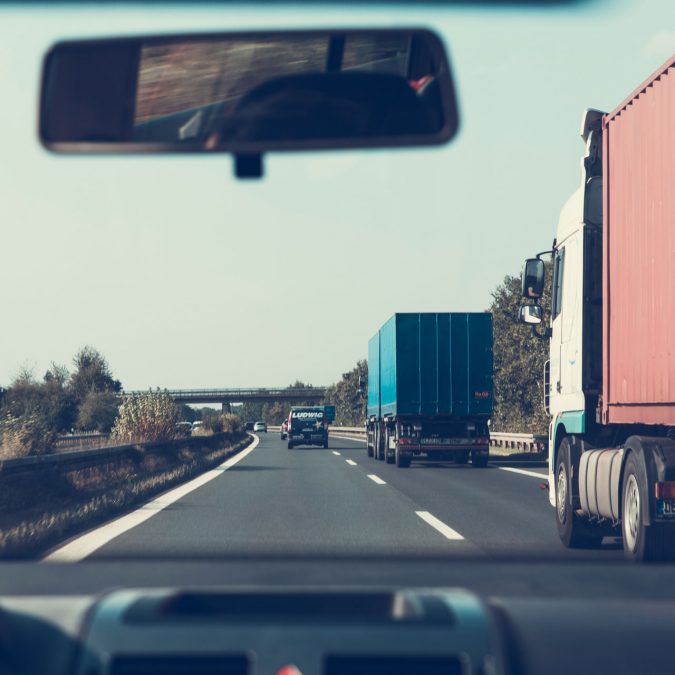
(641, 542)
(290, 445)
(402, 461)
(573, 532)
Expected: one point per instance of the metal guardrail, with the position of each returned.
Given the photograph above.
(92, 457)
(347, 431)
(74, 440)
(528, 442)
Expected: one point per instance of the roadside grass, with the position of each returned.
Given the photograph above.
(37, 511)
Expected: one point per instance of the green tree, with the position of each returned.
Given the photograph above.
(98, 411)
(349, 396)
(92, 373)
(519, 359)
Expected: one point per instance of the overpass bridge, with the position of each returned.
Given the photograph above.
(258, 395)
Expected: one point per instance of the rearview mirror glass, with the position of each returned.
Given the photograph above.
(533, 278)
(248, 93)
(530, 314)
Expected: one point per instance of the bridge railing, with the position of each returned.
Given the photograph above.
(308, 393)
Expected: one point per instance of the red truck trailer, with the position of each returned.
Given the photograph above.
(611, 372)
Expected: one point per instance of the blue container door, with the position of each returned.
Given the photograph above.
(480, 364)
(428, 368)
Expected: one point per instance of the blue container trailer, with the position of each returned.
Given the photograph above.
(430, 390)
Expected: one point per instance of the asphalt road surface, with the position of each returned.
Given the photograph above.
(339, 502)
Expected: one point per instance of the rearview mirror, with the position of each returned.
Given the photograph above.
(248, 93)
(533, 278)
(530, 314)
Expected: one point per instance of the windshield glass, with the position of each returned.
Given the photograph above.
(416, 252)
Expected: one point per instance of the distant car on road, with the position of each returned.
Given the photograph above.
(184, 428)
(284, 430)
(249, 426)
(260, 426)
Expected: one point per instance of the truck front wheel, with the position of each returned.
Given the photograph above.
(290, 445)
(573, 532)
(641, 542)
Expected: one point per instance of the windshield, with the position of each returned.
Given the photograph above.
(438, 441)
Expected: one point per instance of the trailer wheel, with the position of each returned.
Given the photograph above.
(290, 445)
(402, 461)
(389, 455)
(641, 542)
(379, 454)
(573, 532)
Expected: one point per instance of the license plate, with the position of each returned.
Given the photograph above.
(665, 508)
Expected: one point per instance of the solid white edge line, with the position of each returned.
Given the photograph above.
(351, 462)
(335, 452)
(85, 545)
(376, 479)
(524, 472)
(440, 526)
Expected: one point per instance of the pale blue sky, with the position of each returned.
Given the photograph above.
(181, 275)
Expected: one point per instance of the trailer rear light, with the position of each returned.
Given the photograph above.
(404, 441)
(665, 490)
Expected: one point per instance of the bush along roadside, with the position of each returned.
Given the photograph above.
(41, 509)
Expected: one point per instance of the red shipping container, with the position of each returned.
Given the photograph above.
(639, 255)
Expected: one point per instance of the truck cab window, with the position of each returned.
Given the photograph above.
(558, 274)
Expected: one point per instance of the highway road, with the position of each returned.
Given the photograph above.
(338, 502)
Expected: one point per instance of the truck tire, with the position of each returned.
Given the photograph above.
(381, 450)
(479, 460)
(462, 458)
(325, 443)
(641, 542)
(389, 454)
(572, 530)
(370, 450)
(402, 461)
(290, 445)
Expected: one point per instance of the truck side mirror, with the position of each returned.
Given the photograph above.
(533, 278)
(530, 314)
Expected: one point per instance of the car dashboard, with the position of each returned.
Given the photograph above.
(334, 628)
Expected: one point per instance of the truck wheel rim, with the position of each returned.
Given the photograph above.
(631, 513)
(561, 493)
